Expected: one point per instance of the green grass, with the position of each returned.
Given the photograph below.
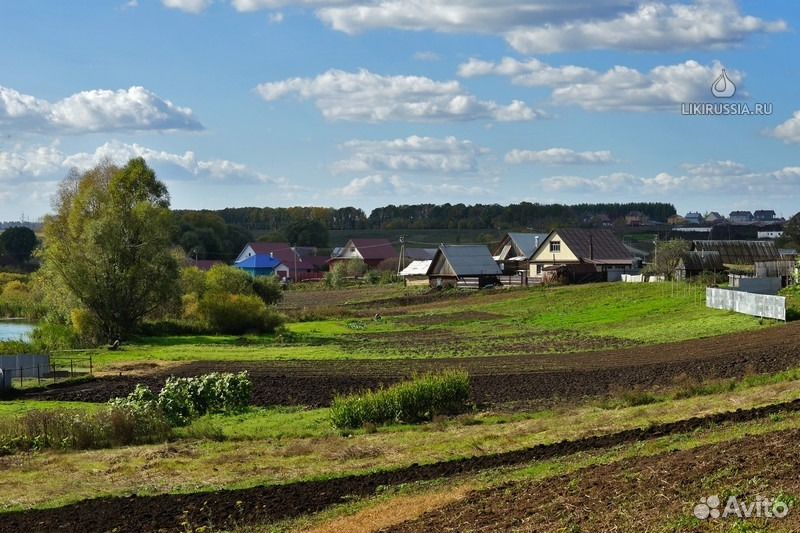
(535, 320)
(20, 407)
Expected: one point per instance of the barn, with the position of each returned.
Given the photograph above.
(463, 265)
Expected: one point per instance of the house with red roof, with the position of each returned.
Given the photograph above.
(371, 251)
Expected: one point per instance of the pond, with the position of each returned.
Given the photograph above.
(15, 330)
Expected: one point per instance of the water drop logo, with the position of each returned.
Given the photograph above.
(723, 87)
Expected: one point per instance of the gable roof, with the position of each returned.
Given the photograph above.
(525, 243)
(374, 248)
(593, 245)
(702, 261)
(739, 252)
(420, 254)
(466, 260)
(259, 261)
(281, 250)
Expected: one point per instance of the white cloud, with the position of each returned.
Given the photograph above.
(653, 26)
(618, 89)
(188, 6)
(531, 73)
(789, 131)
(412, 154)
(368, 97)
(48, 163)
(427, 56)
(707, 178)
(276, 17)
(91, 111)
(379, 185)
(559, 156)
(545, 26)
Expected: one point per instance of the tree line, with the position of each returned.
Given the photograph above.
(438, 216)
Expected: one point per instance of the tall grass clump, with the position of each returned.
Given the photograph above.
(414, 401)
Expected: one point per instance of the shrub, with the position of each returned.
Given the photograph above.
(236, 314)
(167, 327)
(51, 336)
(85, 326)
(184, 399)
(268, 289)
(228, 279)
(410, 402)
(114, 425)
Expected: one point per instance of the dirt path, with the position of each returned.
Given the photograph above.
(494, 379)
(259, 505)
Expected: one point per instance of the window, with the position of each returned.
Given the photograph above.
(538, 269)
(555, 247)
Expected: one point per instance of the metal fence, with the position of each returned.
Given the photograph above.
(760, 305)
(26, 370)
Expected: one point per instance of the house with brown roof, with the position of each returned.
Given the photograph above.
(371, 251)
(599, 248)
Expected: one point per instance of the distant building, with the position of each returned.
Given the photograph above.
(676, 220)
(714, 218)
(770, 234)
(693, 217)
(301, 264)
(764, 215)
(204, 264)
(263, 265)
(695, 263)
(740, 217)
(572, 246)
(371, 251)
(636, 218)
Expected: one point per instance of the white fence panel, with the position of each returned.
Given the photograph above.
(760, 305)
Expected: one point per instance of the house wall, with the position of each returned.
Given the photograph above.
(244, 254)
(543, 256)
(350, 252)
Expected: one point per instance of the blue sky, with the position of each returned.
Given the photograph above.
(370, 102)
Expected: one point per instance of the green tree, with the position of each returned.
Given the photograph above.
(791, 232)
(307, 233)
(18, 243)
(666, 257)
(108, 244)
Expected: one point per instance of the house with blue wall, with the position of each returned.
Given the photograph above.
(263, 265)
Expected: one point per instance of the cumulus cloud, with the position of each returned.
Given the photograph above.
(717, 178)
(369, 97)
(620, 88)
(188, 6)
(48, 163)
(789, 131)
(412, 154)
(377, 185)
(653, 26)
(132, 109)
(559, 156)
(546, 26)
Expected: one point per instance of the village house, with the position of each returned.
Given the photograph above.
(263, 265)
(514, 250)
(636, 218)
(693, 264)
(599, 248)
(300, 262)
(764, 215)
(714, 218)
(463, 265)
(693, 217)
(371, 251)
(740, 217)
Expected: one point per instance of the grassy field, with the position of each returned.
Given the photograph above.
(280, 445)
(549, 320)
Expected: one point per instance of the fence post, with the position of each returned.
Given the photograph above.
(91, 373)
(39, 374)
(71, 368)
(20, 377)
(54, 371)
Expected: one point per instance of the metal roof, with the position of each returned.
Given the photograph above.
(526, 243)
(595, 245)
(702, 261)
(416, 268)
(259, 261)
(468, 259)
(740, 252)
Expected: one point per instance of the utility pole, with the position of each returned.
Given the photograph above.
(402, 254)
(294, 256)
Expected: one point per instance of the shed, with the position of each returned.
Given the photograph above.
(514, 250)
(465, 265)
(416, 273)
(739, 252)
(695, 263)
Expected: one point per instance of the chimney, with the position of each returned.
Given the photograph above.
(271, 256)
(536, 239)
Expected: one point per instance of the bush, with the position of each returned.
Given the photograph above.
(86, 327)
(410, 402)
(268, 289)
(50, 336)
(114, 425)
(228, 279)
(184, 399)
(236, 314)
(168, 327)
